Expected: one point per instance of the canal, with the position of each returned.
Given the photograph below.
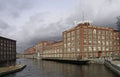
(39, 68)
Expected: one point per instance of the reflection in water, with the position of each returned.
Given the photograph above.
(39, 68)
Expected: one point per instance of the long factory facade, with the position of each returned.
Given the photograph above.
(82, 42)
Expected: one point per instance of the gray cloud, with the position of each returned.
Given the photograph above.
(3, 25)
(38, 28)
(48, 26)
(15, 7)
(102, 13)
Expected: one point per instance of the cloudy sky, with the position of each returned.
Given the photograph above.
(30, 21)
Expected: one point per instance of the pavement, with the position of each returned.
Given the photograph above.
(116, 63)
(10, 68)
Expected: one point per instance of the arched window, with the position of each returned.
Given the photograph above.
(94, 31)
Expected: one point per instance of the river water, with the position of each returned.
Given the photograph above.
(40, 68)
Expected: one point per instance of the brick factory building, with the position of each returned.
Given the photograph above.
(116, 42)
(30, 50)
(88, 41)
(54, 50)
(7, 51)
(36, 50)
(40, 47)
(82, 42)
(85, 41)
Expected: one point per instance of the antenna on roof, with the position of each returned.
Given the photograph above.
(83, 20)
(83, 16)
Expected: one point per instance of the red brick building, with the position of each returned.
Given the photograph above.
(116, 42)
(53, 50)
(40, 47)
(89, 41)
(29, 51)
(85, 41)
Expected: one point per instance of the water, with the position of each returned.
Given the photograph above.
(39, 68)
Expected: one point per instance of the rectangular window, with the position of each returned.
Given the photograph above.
(99, 37)
(85, 31)
(68, 44)
(85, 42)
(90, 31)
(103, 48)
(99, 48)
(78, 43)
(94, 42)
(103, 37)
(68, 39)
(107, 43)
(94, 48)
(68, 49)
(73, 49)
(99, 43)
(78, 49)
(78, 32)
(107, 48)
(103, 43)
(85, 48)
(110, 48)
(78, 37)
(90, 48)
(73, 38)
(73, 44)
(73, 33)
(90, 42)
(99, 32)
(68, 34)
(103, 32)
(64, 45)
(89, 36)
(64, 35)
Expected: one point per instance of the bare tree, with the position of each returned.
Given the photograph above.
(118, 22)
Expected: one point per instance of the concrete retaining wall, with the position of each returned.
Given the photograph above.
(113, 67)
